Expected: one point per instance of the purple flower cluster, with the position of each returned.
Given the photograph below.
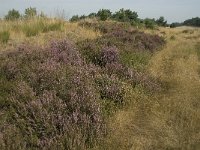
(54, 96)
(109, 55)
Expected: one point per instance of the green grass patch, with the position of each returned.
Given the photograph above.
(4, 36)
(57, 26)
(136, 60)
(31, 30)
(41, 26)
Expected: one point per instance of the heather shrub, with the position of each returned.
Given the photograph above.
(4, 36)
(124, 54)
(110, 88)
(51, 100)
(125, 40)
(133, 40)
(105, 27)
(109, 55)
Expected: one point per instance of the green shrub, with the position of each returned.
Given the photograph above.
(30, 12)
(4, 36)
(161, 21)
(74, 18)
(12, 15)
(192, 22)
(150, 23)
(104, 14)
(125, 15)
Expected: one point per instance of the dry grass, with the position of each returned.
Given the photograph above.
(166, 120)
(18, 33)
(170, 119)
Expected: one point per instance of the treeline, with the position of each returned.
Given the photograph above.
(189, 22)
(123, 15)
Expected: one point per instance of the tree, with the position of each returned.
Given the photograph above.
(104, 14)
(30, 12)
(192, 22)
(82, 17)
(92, 15)
(161, 21)
(175, 24)
(74, 18)
(12, 15)
(150, 23)
(125, 15)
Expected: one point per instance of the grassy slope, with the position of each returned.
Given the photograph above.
(164, 120)
(19, 29)
(170, 119)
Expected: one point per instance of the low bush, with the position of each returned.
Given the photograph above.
(124, 40)
(105, 27)
(12, 15)
(52, 101)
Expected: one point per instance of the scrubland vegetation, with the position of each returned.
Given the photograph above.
(98, 83)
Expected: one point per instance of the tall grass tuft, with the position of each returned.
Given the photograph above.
(31, 30)
(4, 36)
(34, 27)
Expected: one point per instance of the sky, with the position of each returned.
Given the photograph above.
(172, 10)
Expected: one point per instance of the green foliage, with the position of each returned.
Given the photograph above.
(82, 17)
(4, 36)
(104, 14)
(161, 21)
(30, 12)
(189, 22)
(150, 23)
(136, 60)
(125, 15)
(74, 18)
(33, 29)
(175, 24)
(92, 15)
(192, 22)
(12, 15)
